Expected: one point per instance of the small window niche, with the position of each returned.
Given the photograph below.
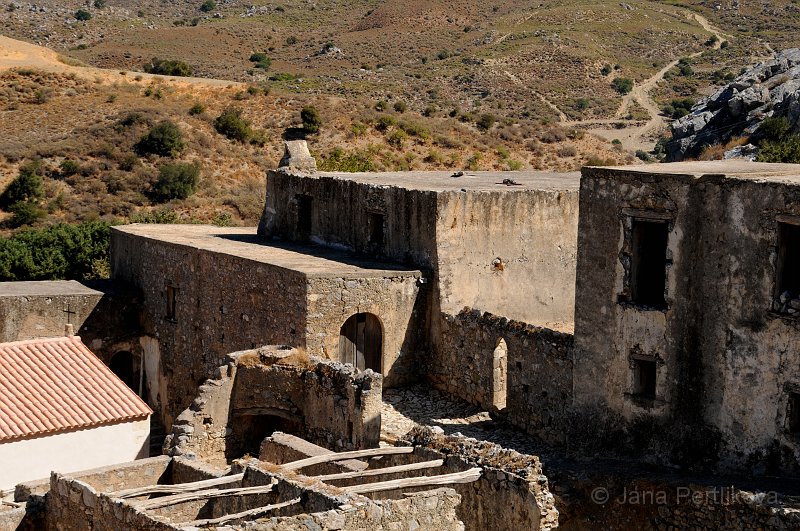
(787, 280)
(648, 268)
(644, 379)
(171, 297)
(375, 225)
(793, 414)
(305, 205)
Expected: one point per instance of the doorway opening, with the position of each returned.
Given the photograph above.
(361, 342)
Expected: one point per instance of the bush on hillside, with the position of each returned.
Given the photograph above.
(164, 139)
(312, 121)
(27, 186)
(176, 181)
(231, 124)
(167, 67)
(83, 15)
(623, 85)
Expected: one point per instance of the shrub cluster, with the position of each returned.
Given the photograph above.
(60, 251)
(167, 67)
(176, 181)
(23, 195)
(164, 139)
(312, 121)
(231, 124)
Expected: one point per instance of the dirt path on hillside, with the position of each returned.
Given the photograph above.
(639, 135)
(20, 54)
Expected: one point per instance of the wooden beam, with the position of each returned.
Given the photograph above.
(178, 487)
(166, 501)
(467, 476)
(341, 456)
(381, 471)
(244, 514)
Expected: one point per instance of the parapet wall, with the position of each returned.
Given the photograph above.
(498, 363)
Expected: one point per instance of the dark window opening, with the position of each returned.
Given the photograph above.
(644, 378)
(171, 295)
(376, 232)
(304, 211)
(793, 414)
(122, 364)
(361, 342)
(649, 263)
(788, 279)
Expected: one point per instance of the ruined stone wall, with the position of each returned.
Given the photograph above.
(723, 355)
(340, 215)
(537, 392)
(509, 252)
(399, 302)
(223, 303)
(325, 402)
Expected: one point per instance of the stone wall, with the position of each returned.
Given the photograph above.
(325, 402)
(538, 362)
(724, 357)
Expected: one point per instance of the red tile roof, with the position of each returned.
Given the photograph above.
(54, 385)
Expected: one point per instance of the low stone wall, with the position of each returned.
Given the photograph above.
(538, 373)
(512, 492)
(327, 403)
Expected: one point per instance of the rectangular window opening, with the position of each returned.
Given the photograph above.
(648, 273)
(304, 211)
(644, 378)
(793, 414)
(375, 222)
(788, 279)
(171, 293)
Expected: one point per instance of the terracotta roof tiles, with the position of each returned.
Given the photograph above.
(54, 385)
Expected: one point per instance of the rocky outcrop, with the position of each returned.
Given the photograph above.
(737, 109)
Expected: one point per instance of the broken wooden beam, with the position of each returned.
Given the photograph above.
(327, 458)
(380, 471)
(467, 476)
(166, 501)
(236, 516)
(178, 487)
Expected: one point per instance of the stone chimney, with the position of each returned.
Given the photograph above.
(296, 158)
(69, 330)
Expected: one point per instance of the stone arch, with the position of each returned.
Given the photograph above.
(361, 342)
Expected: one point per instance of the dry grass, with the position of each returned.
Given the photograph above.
(716, 151)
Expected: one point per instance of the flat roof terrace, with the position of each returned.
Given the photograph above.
(480, 181)
(242, 242)
(731, 169)
(45, 288)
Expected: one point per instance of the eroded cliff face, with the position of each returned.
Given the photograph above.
(737, 109)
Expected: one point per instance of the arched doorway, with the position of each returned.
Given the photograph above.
(361, 342)
(123, 365)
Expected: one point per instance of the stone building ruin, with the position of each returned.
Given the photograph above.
(646, 313)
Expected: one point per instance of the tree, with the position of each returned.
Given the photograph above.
(231, 124)
(623, 85)
(27, 186)
(176, 181)
(312, 121)
(83, 15)
(164, 139)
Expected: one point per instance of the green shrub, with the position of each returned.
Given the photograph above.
(312, 121)
(773, 129)
(99, 4)
(291, 40)
(197, 108)
(68, 167)
(58, 252)
(606, 69)
(339, 160)
(164, 139)
(623, 85)
(168, 67)
(176, 181)
(381, 106)
(400, 106)
(207, 6)
(231, 124)
(27, 186)
(643, 155)
(358, 128)
(786, 150)
(25, 213)
(397, 138)
(261, 60)
(384, 123)
(83, 15)
(485, 122)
